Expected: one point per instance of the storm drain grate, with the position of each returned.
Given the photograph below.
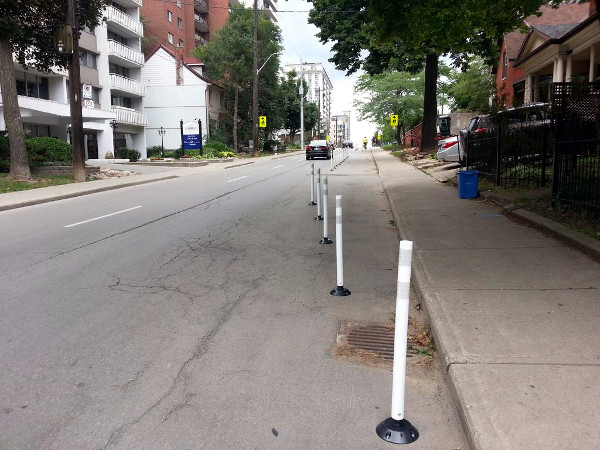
(373, 338)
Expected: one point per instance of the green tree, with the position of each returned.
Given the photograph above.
(291, 106)
(408, 35)
(229, 60)
(26, 30)
(390, 93)
(472, 89)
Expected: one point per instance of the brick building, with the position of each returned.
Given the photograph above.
(182, 25)
(510, 80)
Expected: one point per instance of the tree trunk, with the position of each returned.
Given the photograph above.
(430, 104)
(235, 119)
(19, 163)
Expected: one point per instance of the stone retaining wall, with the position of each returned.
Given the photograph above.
(61, 170)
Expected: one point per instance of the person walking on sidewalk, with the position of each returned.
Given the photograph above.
(365, 141)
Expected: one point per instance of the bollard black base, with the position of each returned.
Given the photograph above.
(312, 204)
(397, 431)
(319, 218)
(340, 291)
(325, 240)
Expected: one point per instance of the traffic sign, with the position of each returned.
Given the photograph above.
(262, 121)
(394, 120)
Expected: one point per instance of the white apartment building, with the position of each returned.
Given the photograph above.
(319, 88)
(340, 127)
(111, 62)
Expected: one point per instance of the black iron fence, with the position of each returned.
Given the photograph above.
(555, 145)
(514, 150)
(576, 117)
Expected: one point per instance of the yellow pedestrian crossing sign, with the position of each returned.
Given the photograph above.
(262, 121)
(394, 120)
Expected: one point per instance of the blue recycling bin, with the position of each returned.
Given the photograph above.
(468, 183)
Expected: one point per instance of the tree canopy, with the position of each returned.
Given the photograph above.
(228, 57)
(408, 34)
(26, 30)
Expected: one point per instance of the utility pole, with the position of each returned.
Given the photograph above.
(255, 81)
(75, 98)
(301, 105)
(319, 114)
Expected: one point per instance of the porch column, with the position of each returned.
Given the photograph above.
(536, 88)
(528, 90)
(592, 76)
(558, 64)
(569, 71)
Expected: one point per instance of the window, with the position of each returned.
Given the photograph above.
(120, 101)
(119, 70)
(180, 23)
(169, 16)
(33, 86)
(179, 3)
(117, 37)
(170, 38)
(504, 65)
(87, 59)
(180, 43)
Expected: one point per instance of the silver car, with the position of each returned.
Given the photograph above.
(449, 150)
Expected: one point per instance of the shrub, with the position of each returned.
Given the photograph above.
(216, 145)
(127, 153)
(153, 151)
(227, 154)
(4, 153)
(47, 150)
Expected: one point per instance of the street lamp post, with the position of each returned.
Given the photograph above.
(162, 132)
(114, 125)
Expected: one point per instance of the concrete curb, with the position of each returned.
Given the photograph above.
(63, 196)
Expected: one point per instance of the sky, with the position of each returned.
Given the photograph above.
(300, 43)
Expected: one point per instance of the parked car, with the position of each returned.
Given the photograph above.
(318, 149)
(450, 151)
(347, 144)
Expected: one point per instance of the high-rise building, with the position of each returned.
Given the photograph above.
(319, 88)
(183, 25)
(340, 127)
(112, 90)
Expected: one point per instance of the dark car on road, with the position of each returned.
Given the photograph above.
(318, 149)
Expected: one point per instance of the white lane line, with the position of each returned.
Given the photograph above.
(300, 159)
(101, 217)
(235, 179)
(277, 167)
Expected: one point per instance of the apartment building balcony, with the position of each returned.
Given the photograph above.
(129, 3)
(200, 40)
(123, 55)
(124, 24)
(201, 24)
(201, 6)
(130, 116)
(123, 85)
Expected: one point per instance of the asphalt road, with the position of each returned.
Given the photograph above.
(195, 313)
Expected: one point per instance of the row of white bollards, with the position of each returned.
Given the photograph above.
(395, 429)
(338, 156)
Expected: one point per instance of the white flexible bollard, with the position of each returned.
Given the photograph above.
(319, 199)
(325, 239)
(396, 429)
(340, 290)
(312, 185)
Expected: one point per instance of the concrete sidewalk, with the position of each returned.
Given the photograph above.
(514, 314)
